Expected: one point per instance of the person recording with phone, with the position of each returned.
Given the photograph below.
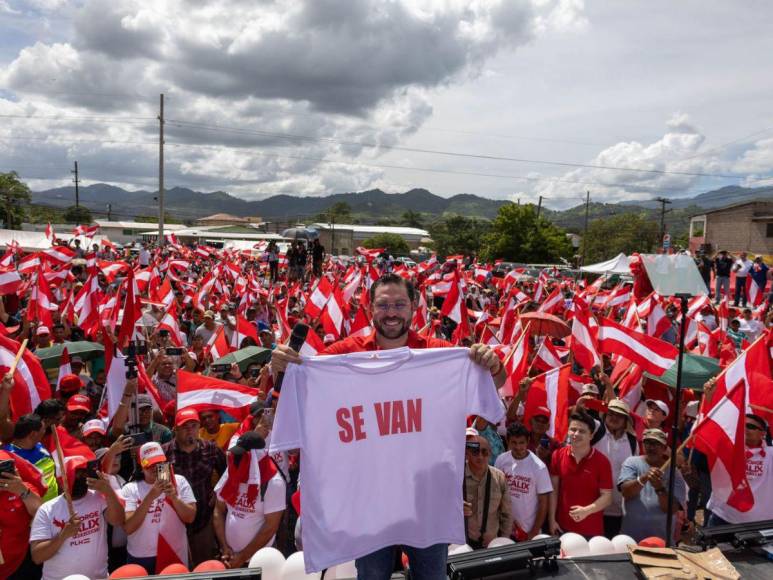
(161, 499)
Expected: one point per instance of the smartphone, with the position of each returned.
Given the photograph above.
(268, 417)
(140, 438)
(162, 472)
(7, 466)
(91, 469)
(545, 441)
(174, 351)
(220, 368)
(255, 373)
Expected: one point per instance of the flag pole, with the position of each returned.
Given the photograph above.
(18, 356)
(60, 456)
(683, 298)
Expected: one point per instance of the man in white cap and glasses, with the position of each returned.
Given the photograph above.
(656, 414)
(616, 441)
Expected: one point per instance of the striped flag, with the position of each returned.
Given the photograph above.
(207, 393)
(30, 383)
(653, 355)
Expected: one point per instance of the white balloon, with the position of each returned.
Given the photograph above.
(460, 550)
(452, 547)
(574, 545)
(496, 542)
(599, 545)
(76, 577)
(271, 561)
(542, 536)
(622, 542)
(342, 571)
(295, 569)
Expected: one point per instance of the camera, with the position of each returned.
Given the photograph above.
(174, 351)
(220, 368)
(7, 466)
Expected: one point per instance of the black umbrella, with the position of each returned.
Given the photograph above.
(300, 234)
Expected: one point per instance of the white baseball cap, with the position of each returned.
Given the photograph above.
(151, 454)
(94, 426)
(659, 404)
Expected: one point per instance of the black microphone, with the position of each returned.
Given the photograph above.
(297, 338)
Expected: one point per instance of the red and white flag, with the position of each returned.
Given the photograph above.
(132, 313)
(218, 345)
(244, 329)
(58, 255)
(172, 545)
(313, 345)
(10, 281)
(30, 383)
(653, 355)
(64, 366)
(548, 357)
(87, 231)
(719, 436)
(50, 235)
(319, 297)
(551, 390)
(583, 339)
(208, 393)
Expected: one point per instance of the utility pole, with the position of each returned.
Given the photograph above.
(662, 201)
(76, 180)
(539, 207)
(584, 240)
(161, 171)
(109, 210)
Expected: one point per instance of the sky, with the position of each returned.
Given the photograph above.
(501, 98)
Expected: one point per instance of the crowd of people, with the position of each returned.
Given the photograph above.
(100, 468)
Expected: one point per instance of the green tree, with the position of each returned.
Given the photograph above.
(412, 219)
(626, 233)
(77, 215)
(456, 234)
(517, 235)
(394, 244)
(40, 214)
(340, 212)
(15, 197)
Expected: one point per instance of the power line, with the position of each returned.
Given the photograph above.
(296, 137)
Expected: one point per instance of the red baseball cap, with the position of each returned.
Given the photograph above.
(541, 412)
(79, 403)
(186, 416)
(70, 383)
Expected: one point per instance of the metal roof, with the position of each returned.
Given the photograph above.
(137, 225)
(371, 229)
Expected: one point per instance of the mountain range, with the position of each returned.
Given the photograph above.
(372, 206)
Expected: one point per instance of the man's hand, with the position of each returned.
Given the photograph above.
(239, 559)
(169, 490)
(467, 509)
(156, 489)
(99, 483)
(523, 386)
(71, 527)
(131, 387)
(7, 383)
(226, 555)
(235, 371)
(483, 355)
(12, 483)
(578, 513)
(655, 477)
(554, 528)
(281, 356)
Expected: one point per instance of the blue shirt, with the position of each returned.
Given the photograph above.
(759, 273)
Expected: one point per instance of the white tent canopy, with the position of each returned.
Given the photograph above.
(37, 241)
(617, 265)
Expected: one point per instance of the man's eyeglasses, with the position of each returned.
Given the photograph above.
(385, 307)
(475, 449)
(754, 427)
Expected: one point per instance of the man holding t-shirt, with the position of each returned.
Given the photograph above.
(393, 300)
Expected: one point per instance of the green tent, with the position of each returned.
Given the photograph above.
(246, 356)
(696, 370)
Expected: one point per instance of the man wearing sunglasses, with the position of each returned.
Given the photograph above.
(486, 496)
(759, 474)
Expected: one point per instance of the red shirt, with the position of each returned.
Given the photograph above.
(367, 343)
(16, 520)
(580, 484)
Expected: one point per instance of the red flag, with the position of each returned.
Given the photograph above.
(551, 390)
(30, 383)
(132, 313)
(58, 255)
(719, 436)
(218, 345)
(653, 355)
(454, 302)
(207, 393)
(87, 231)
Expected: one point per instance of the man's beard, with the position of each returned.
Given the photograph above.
(391, 332)
(79, 488)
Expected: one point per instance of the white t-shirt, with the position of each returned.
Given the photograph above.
(743, 267)
(752, 328)
(84, 553)
(144, 541)
(526, 478)
(617, 451)
(382, 441)
(759, 474)
(244, 520)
